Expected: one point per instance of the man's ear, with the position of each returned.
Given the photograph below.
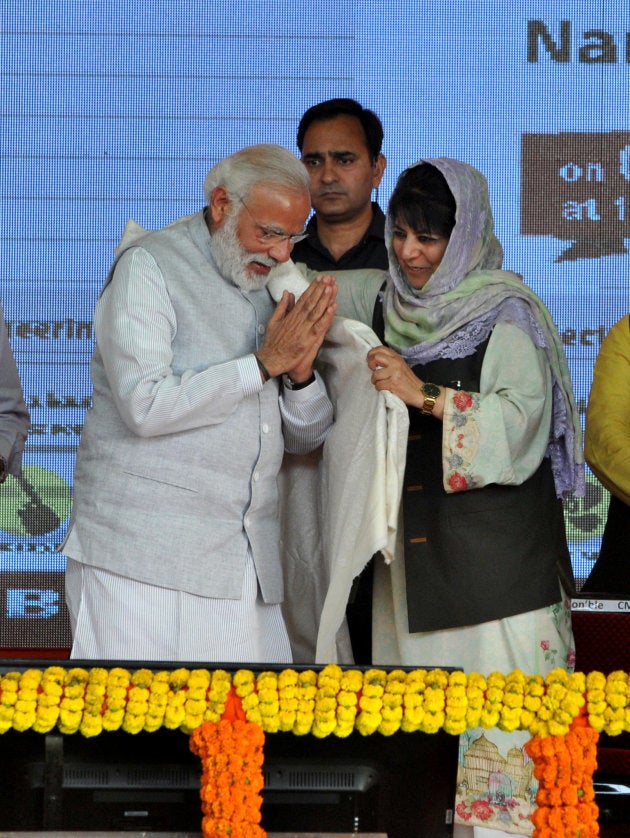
(219, 205)
(378, 170)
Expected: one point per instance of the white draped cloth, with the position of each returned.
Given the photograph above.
(339, 507)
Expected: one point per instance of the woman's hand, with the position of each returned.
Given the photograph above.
(391, 372)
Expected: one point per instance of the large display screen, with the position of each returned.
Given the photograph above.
(117, 110)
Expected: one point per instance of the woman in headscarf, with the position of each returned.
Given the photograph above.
(483, 571)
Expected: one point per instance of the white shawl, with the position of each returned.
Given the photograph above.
(339, 507)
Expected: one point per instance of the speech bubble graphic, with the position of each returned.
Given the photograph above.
(576, 187)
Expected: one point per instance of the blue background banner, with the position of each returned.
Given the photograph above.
(115, 110)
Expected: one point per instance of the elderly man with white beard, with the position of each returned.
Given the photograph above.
(200, 384)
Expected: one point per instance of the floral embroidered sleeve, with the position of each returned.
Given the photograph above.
(500, 434)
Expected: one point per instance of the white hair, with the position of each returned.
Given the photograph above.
(265, 163)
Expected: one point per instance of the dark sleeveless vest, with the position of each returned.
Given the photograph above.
(483, 554)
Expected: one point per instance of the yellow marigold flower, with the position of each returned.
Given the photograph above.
(390, 700)
(595, 681)
(52, 689)
(456, 696)
(389, 726)
(513, 700)
(243, 682)
(72, 705)
(69, 721)
(351, 681)
(434, 700)
(343, 730)
(46, 719)
(577, 682)
(597, 722)
(287, 678)
(179, 679)
(557, 729)
(455, 714)
(573, 703)
(45, 700)
(325, 705)
(375, 676)
(267, 696)
(510, 719)
(113, 719)
(367, 723)
(473, 717)
(412, 720)
(458, 679)
(74, 691)
(437, 679)
(557, 676)
(346, 714)
(323, 727)
(23, 720)
(535, 684)
(288, 693)
(270, 724)
(432, 722)
(177, 699)
(307, 678)
(173, 717)
(532, 703)
(250, 702)
(287, 720)
(330, 676)
(615, 728)
(347, 699)
(494, 694)
(76, 676)
(303, 723)
(389, 713)
(267, 680)
(455, 728)
(489, 718)
(153, 723)
(142, 678)
(91, 725)
(370, 705)
(475, 699)
(476, 681)
(133, 724)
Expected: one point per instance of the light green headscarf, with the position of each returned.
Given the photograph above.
(463, 300)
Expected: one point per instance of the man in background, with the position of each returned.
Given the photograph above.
(340, 144)
(200, 385)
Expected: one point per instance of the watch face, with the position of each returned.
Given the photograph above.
(431, 391)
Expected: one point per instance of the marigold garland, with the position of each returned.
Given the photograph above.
(564, 766)
(331, 701)
(231, 754)
(222, 706)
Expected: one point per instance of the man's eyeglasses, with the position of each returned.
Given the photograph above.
(269, 235)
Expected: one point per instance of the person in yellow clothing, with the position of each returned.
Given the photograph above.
(607, 452)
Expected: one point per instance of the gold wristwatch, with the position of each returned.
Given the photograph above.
(431, 393)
